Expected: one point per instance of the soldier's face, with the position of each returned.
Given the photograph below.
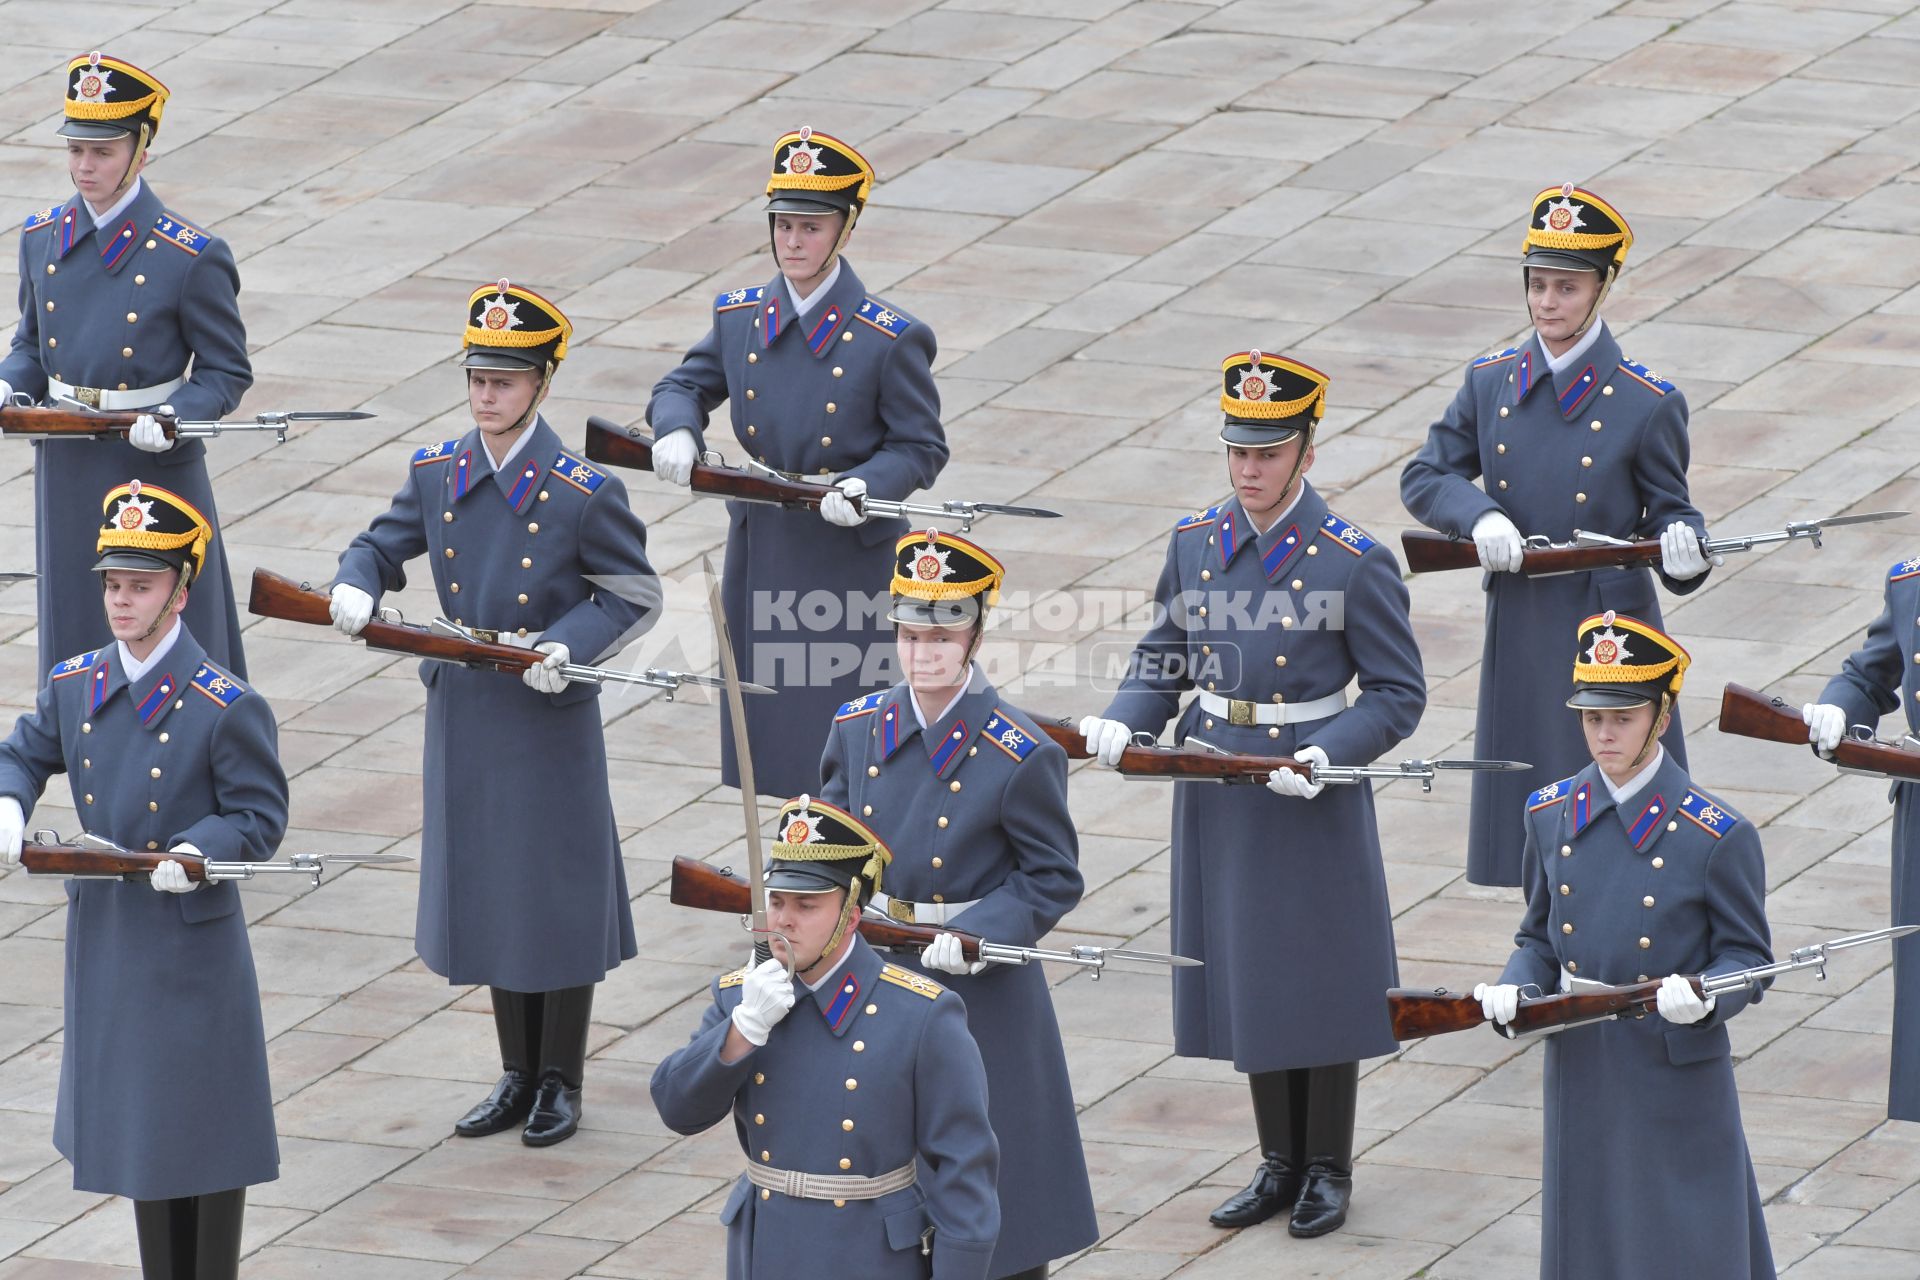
(500, 398)
(934, 659)
(134, 600)
(807, 921)
(1260, 475)
(802, 243)
(1616, 738)
(1560, 300)
(99, 169)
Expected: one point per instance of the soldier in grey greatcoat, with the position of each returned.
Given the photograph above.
(1565, 433)
(972, 798)
(1883, 675)
(123, 305)
(1269, 606)
(1632, 873)
(825, 382)
(164, 1097)
(861, 1111)
(521, 883)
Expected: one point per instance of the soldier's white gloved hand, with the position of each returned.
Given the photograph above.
(13, 829)
(350, 608)
(171, 877)
(1499, 543)
(1498, 1000)
(545, 677)
(943, 953)
(673, 457)
(6, 391)
(146, 434)
(1285, 782)
(1826, 725)
(838, 507)
(1106, 739)
(1680, 554)
(765, 997)
(1677, 1001)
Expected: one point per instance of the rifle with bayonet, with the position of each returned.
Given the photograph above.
(630, 447)
(11, 576)
(276, 597)
(1201, 761)
(704, 888)
(1748, 714)
(1540, 557)
(73, 419)
(1438, 1012)
(92, 857)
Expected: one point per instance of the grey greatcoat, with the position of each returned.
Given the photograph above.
(163, 1070)
(521, 883)
(138, 304)
(974, 809)
(1642, 1116)
(847, 390)
(872, 1072)
(1602, 447)
(1288, 616)
(1889, 661)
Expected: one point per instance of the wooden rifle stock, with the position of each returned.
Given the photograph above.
(276, 597)
(697, 885)
(37, 420)
(1438, 1012)
(72, 860)
(1747, 713)
(1429, 552)
(1176, 762)
(618, 446)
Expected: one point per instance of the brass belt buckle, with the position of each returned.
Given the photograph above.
(902, 911)
(485, 635)
(1239, 712)
(88, 396)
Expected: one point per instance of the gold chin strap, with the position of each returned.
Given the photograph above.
(1653, 731)
(539, 394)
(846, 229)
(139, 149)
(179, 590)
(1599, 299)
(849, 912)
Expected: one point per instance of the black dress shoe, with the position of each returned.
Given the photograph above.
(556, 1112)
(1322, 1206)
(505, 1107)
(1275, 1187)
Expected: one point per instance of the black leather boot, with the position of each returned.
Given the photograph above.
(1277, 1098)
(218, 1219)
(563, 1065)
(1322, 1206)
(166, 1230)
(516, 1021)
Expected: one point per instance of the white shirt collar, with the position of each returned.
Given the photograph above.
(134, 667)
(846, 954)
(803, 305)
(118, 207)
(1627, 790)
(1559, 363)
(500, 464)
(958, 694)
(1284, 511)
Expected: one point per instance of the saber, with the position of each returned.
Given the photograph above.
(581, 673)
(749, 797)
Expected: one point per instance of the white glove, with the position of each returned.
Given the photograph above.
(1826, 725)
(350, 608)
(943, 953)
(546, 677)
(837, 507)
(1678, 1003)
(1285, 782)
(6, 391)
(1106, 739)
(1680, 554)
(1499, 543)
(171, 877)
(1499, 1001)
(147, 435)
(13, 828)
(765, 997)
(673, 457)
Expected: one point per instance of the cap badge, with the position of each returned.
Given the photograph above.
(803, 827)
(133, 513)
(930, 563)
(1562, 215)
(502, 312)
(801, 158)
(1609, 648)
(93, 84)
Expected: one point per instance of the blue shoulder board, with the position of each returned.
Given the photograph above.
(1552, 793)
(434, 452)
(735, 298)
(884, 318)
(180, 235)
(860, 706)
(1904, 570)
(1348, 536)
(577, 473)
(42, 218)
(1495, 357)
(73, 666)
(222, 687)
(1198, 519)
(1708, 814)
(1643, 374)
(1008, 736)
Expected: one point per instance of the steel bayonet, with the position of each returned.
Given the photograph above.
(94, 857)
(581, 673)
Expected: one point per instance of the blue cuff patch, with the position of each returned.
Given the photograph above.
(734, 299)
(884, 318)
(577, 473)
(1008, 736)
(860, 706)
(434, 452)
(217, 684)
(1708, 815)
(180, 235)
(1348, 536)
(1552, 793)
(1643, 374)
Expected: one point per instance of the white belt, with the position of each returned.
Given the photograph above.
(832, 1186)
(96, 398)
(918, 912)
(1237, 711)
(1570, 983)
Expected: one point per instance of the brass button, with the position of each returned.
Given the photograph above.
(1565, 889)
(455, 588)
(89, 797)
(121, 387)
(1673, 826)
(837, 371)
(1586, 462)
(1280, 660)
(839, 1204)
(939, 897)
(847, 1125)
(86, 726)
(825, 441)
(943, 822)
(86, 764)
(1297, 584)
(1209, 686)
(1606, 391)
(859, 1046)
(973, 751)
(765, 1194)
(939, 863)
(150, 244)
(1274, 732)
(759, 1119)
(153, 844)
(1566, 850)
(759, 1077)
(1203, 611)
(164, 737)
(1208, 649)
(523, 597)
(49, 304)
(852, 1083)
(154, 772)
(1503, 484)
(51, 268)
(1647, 901)
(153, 806)
(179, 703)
(750, 394)
(873, 771)
(139, 279)
(1573, 966)
(1503, 411)
(753, 357)
(1313, 551)
(1645, 943)
(871, 1010)
(526, 562)
(845, 1163)
(866, 811)
(847, 336)
(446, 517)
(752, 430)
(954, 785)
(133, 317)
(543, 495)
(1499, 448)
(1206, 575)
(1567, 927)
(1579, 497)
(1641, 978)
(126, 351)
(1286, 620)
(832, 407)
(448, 553)
(1279, 697)
(1209, 724)
(1595, 424)
(533, 526)
(53, 342)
